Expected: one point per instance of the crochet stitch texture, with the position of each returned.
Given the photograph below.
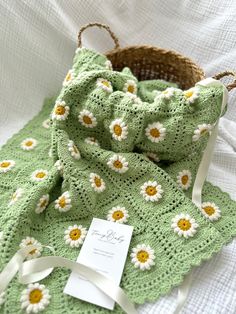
(109, 153)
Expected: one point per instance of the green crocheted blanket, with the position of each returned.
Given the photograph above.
(111, 147)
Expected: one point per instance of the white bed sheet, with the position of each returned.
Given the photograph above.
(37, 43)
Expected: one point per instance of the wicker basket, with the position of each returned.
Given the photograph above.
(150, 62)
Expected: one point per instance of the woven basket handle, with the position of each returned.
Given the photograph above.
(226, 73)
(113, 36)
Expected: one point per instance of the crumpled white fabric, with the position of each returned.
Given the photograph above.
(37, 42)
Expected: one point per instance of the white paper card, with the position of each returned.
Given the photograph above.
(105, 249)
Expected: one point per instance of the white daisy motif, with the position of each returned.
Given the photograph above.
(155, 132)
(63, 203)
(184, 179)
(2, 298)
(118, 214)
(69, 78)
(6, 165)
(15, 196)
(97, 182)
(151, 191)
(118, 163)
(118, 129)
(87, 119)
(105, 85)
(152, 156)
(28, 144)
(42, 204)
(60, 111)
(184, 225)
(35, 298)
(134, 98)
(50, 153)
(32, 241)
(130, 87)
(46, 124)
(73, 150)
(201, 130)
(142, 256)
(166, 94)
(58, 164)
(91, 141)
(108, 65)
(191, 94)
(211, 211)
(75, 235)
(39, 175)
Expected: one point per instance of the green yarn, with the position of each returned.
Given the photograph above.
(179, 146)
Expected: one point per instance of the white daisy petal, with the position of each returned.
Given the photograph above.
(28, 144)
(130, 86)
(118, 129)
(39, 175)
(142, 257)
(46, 124)
(15, 196)
(118, 214)
(155, 132)
(104, 84)
(58, 164)
(151, 191)
(6, 165)
(165, 94)
(184, 225)
(108, 65)
(152, 156)
(60, 111)
(75, 235)
(63, 203)
(118, 163)
(73, 150)
(32, 241)
(42, 204)
(134, 98)
(97, 182)
(35, 298)
(184, 179)
(69, 78)
(201, 130)
(211, 211)
(91, 141)
(87, 119)
(191, 95)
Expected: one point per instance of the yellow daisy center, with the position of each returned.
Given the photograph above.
(184, 224)
(28, 143)
(60, 110)
(35, 296)
(87, 120)
(33, 251)
(68, 77)
(209, 210)
(75, 149)
(130, 89)
(155, 132)
(14, 196)
(5, 164)
(151, 190)
(118, 164)
(43, 203)
(117, 129)
(203, 131)
(118, 214)
(188, 94)
(62, 202)
(75, 234)
(40, 175)
(165, 92)
(106, 83)
(184, 179)
(98, 181)
(142, 256)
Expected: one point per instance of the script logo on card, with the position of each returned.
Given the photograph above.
(110, 236)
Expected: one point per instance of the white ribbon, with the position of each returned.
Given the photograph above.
(39, 268)
(201, 175)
